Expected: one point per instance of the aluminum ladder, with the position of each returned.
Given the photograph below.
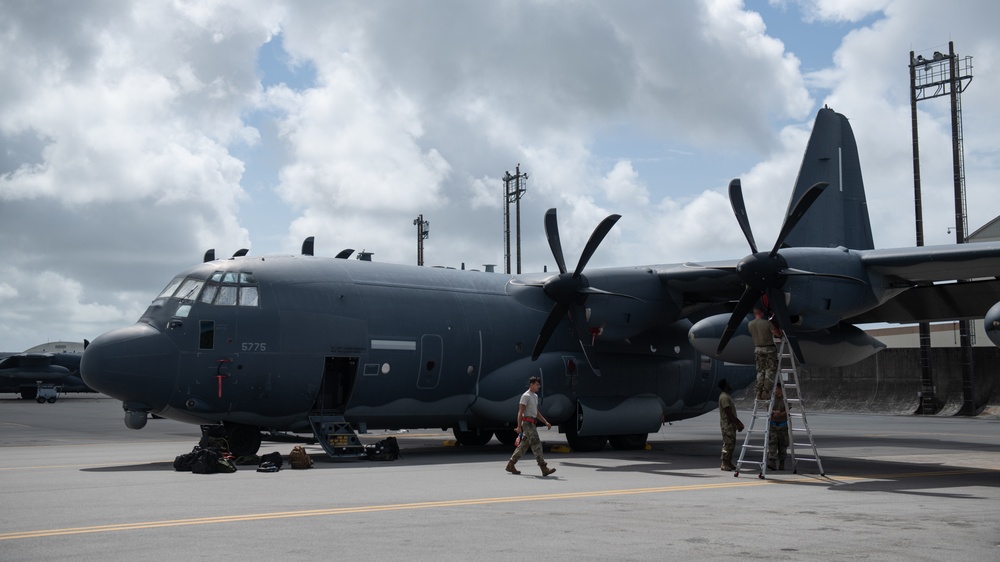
(757, 432)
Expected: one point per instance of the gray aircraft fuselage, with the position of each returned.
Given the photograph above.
(267, 341)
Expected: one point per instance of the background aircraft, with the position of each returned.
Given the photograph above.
(43, 371)
(297, 343)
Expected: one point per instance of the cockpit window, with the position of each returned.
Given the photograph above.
(189, 289)
(208, 295)
(248, 295)
(226, 296)
(168, 291)
(223, 288)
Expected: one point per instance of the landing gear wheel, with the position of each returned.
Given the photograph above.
(244, 440)
(29, 393)
(585, 443)
(472, 437)
(505, 436)
(633, 442)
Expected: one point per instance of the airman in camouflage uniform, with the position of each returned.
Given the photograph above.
(729, 423)
(527, 416)
(777, 432)
(764, 352)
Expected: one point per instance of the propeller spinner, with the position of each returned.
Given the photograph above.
(567, 289)
(765, 273)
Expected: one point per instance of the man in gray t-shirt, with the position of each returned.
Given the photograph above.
(527, 416)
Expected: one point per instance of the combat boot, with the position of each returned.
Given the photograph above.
(781, 464)
(510, 467)
(545, 469)
(771, 465)
(727, 463)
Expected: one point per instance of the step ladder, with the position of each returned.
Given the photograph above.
(757, 435)
(337, 437)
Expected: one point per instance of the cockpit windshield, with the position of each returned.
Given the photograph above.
(223, 288)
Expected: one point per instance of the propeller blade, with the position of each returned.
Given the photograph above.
(552, 234)
(740, 209)
(795, 215)
(743, 308)
(776, 300)
(551, 322)
(595, 240)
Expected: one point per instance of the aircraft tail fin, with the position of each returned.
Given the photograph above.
(840, 216)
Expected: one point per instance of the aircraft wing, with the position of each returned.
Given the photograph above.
(934, 279)
(705, 289)
(928, 264)
(34, 366)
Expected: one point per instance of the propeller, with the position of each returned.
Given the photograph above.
(765, 273)
(568, 289)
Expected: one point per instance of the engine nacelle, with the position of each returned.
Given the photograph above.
(837, 346)
(992, 324)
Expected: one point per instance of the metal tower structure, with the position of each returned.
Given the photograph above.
(513, 188)
(938, 76)
(423, 231)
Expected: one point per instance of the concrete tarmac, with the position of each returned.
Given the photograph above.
(78, 485)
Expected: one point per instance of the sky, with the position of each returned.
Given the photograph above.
(134, 136)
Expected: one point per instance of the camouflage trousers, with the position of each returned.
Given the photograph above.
(728, 441)
(766, 359)
(529, 440)
(777, 442)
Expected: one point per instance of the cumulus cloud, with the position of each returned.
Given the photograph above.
(132, 140)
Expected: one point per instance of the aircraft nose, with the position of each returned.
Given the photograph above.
(137, 365)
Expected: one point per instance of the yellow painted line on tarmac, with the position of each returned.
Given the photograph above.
(737, 483)
(366, 509)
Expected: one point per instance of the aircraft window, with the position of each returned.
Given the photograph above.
(217, 277)
(229, 277)
(207, 338)
(183, 311)
(209, 293)
(227, 296)
(169, 290)
(189, 289)
(247, 279)
(248, 296)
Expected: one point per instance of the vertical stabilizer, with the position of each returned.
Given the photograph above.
(840, 216)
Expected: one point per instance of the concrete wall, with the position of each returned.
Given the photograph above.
(889, 382)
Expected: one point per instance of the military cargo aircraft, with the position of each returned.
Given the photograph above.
(311, 345)
(43, 371)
